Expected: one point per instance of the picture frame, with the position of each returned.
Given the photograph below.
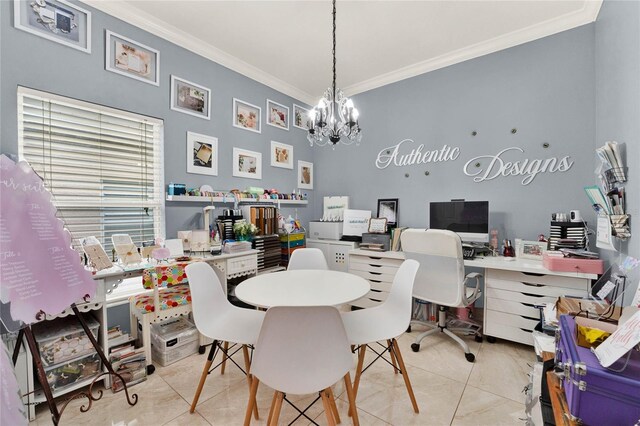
(301, 117)
(247, 116)
(305, 175)
(55, 20)
(190, 98)
(388, 208)
(202, 154)
(132, 59)
(532, 249)
(247, 164)
(277, 115)
(281, 155)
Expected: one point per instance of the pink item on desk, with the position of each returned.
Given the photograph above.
(572, 264)
(161, 253)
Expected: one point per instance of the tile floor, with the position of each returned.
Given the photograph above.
(449, 391)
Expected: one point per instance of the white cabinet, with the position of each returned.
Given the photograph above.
(510, 298)
(379, 268)
(336, 252)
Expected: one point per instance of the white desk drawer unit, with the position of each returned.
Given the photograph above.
(511, 296)
(379, 269)
(242, 266)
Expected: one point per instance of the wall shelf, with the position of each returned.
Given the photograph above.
(221, 200)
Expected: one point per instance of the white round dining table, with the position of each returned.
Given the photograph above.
(302, 288)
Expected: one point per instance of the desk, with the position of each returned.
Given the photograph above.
(511, 291)
(302, 288)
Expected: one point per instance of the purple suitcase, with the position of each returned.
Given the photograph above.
(596, 395)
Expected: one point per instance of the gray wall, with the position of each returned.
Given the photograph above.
(617, 65)
(544, 88)
(38, 63)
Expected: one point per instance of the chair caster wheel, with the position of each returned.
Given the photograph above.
(409, 329)
(150, 369)
(491, 339)
(202, 349)
(415, 347)
(470, 357)
(478, 339)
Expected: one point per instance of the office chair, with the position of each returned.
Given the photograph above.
(384, 322)
(441, 280)
(307, 258)
(302, 350)
(218, 319)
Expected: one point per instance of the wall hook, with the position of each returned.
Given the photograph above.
(514, 131)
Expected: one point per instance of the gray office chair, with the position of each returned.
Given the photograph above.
(441, 280)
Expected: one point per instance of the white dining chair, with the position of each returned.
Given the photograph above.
(383, 323)
(302, 350)
(218, 319)
(307, 258)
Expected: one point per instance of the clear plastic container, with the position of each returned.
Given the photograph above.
(63, 339)
(173, 333)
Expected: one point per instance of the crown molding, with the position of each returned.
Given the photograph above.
(587, 14)
(157, 27)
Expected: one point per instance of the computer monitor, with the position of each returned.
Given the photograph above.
(469, 219)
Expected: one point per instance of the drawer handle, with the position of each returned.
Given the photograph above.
(534, 274)
(375, 266)
(533, 285)
(374, 258)
(376, 291)
(531, 305)
(375, 281)
(529, 318)
(525, 330)
(375, 273)
(532, 295)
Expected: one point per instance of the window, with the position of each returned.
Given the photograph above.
(103, 166)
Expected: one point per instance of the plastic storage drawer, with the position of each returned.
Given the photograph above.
(176, 332)
(63, 339)
(174, 354)
(74, 371)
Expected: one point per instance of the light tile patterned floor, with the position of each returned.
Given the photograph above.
(449, 391)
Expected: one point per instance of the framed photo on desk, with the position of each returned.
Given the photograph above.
(531, 250)
(388, 208)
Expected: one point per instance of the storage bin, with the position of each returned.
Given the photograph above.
(175, 353)
(63, 339)
(175, 332)
(74, 371)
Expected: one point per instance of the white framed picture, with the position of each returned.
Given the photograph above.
(247, 116)
(247, 164)
(305, 175)
(281, 155)
(277, 115)
(301, 117)
(132, 59)
(202, 154)
(190, 98)
(55, 20)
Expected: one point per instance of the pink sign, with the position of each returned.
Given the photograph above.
(39, 271)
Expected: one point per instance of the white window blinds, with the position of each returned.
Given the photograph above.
(103, 166)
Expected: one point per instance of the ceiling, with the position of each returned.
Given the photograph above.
(287, 44)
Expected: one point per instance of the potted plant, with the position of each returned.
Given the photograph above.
(243, 230)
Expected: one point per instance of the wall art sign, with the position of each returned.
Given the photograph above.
(497, 166)
(39, 270)
(391, 156)
(355, 222)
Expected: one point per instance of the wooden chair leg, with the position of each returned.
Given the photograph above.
(405, 374)
(393, 357)
(224, 357)
(334, 407)
(203, 377)
(327, 407)
(273, 404)
(252, 404)
(353, 410)
(276, 409)
(356, 380)
(247, 368)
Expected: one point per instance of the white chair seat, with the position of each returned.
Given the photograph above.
(238, 325)
(371, 325)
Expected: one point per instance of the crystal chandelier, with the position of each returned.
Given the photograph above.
(325, 126)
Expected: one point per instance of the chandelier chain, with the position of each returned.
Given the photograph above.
(334, 49)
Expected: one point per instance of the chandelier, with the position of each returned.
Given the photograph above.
(335, 117)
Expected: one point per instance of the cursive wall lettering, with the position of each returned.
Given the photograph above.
(391, 155)
(527, 168)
